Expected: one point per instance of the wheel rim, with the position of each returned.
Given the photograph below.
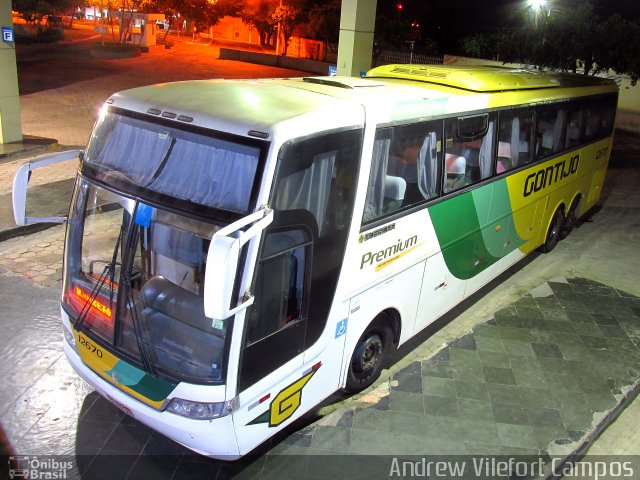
(370, 354)
(554, 233)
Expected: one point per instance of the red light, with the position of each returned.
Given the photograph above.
(399, 6)
(98, 310)
(95, 304)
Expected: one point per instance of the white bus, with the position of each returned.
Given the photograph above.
(237, 251)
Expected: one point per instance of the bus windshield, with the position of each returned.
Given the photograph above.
(135, 280)
(182, 164)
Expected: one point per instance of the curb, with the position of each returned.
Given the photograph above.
(25, 230)
(28, 146)
(579, 453)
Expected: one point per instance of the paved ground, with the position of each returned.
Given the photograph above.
(535, 364)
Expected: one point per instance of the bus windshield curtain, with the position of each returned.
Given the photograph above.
(189, 166)
(375, 191)
(309, 189)
(428, 166)
(559, 129)
(515, 141)
(486, 152)
(134, 152)
(208, 176)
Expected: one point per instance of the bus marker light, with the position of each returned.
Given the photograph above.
(262, 400)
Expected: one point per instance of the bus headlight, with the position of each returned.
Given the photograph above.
(68, 336)
(198, 410)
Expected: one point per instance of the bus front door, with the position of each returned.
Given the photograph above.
(271, 377)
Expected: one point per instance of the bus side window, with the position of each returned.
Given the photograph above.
(469, 150)
(600, 118)
(575, 125)
(551, 126)
(514, 139)
(404, 168)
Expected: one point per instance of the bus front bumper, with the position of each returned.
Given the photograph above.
(213, 438)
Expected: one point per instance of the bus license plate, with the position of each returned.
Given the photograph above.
(121, 406)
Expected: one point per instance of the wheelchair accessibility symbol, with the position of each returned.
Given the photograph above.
(341, 328)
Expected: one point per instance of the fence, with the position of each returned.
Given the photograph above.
(385, 57)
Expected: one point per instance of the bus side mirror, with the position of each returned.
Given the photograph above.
(21, 183)
(222, 264)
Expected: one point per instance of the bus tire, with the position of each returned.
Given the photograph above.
(369, 355)
(571, 219)
(553, 234)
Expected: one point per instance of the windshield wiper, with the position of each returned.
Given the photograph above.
(145, 353)
(143, 348)
(108, 277)
(109, 269)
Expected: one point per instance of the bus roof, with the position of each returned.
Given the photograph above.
(225, 104)
(484, 78)
(240, 106)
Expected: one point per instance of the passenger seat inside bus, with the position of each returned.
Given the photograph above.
(176, 328)
(394, 192)
(456, 167)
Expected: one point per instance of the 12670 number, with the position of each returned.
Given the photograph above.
(90, 346)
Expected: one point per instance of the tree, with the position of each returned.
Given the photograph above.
(390, 32)
(260, 15)
(288, 16)
(205, 12)
(324, 23)
(32, 11)
(575, 40)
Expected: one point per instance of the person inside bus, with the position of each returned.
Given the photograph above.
(504, 157)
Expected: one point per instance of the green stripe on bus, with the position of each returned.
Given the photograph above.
(148, 386)
(475, 229)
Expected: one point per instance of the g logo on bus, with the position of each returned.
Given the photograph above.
(285, 404)
(288, 401)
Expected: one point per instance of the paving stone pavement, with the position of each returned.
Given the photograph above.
(532, 383)
(535, 379)
(39, 260)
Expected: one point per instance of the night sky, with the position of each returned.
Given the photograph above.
(448, 21)
(490, 14)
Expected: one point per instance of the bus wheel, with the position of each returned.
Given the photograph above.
(571, 219)
(553, 235)
(369, 356)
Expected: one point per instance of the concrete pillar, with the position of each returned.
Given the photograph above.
(10, 124)
(355, 47)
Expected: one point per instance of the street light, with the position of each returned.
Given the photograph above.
(537, 5)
